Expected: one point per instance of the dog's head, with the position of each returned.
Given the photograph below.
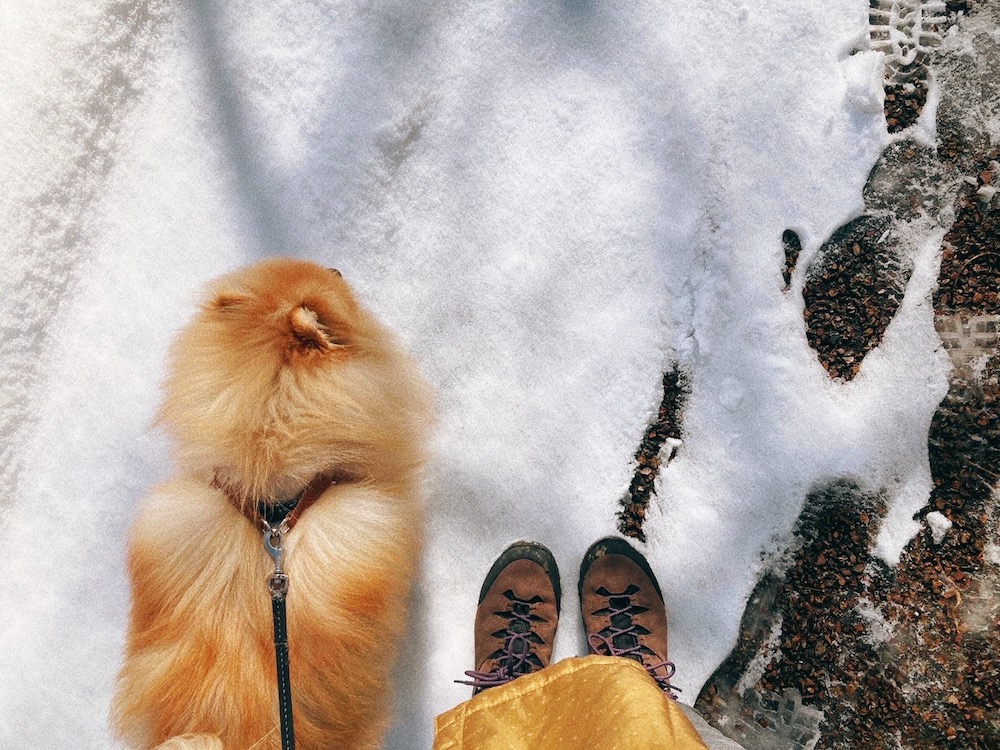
(284, 375)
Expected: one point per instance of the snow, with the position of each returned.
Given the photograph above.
(552, 203)
(879, 630)
(939, 524)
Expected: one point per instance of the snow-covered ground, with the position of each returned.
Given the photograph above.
(551, 202)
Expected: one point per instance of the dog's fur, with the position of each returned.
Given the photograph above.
(281, 377)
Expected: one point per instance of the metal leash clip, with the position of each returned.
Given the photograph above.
(274, 543)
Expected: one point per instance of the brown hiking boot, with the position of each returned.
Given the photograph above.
(517, 616)
(623, 609)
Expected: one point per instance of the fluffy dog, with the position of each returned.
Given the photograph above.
(282, 378)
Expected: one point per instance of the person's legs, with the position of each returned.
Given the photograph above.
(517, 616)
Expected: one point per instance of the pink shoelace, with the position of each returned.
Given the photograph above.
(621, 638)
(516, 656)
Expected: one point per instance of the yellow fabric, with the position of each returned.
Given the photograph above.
(600, 702)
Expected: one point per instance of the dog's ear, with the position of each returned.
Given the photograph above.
(315, 333)
(230, 300)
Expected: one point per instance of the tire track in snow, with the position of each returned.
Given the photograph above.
(79, 122)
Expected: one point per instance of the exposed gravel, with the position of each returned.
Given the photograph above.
(650, 454)
(853, 292)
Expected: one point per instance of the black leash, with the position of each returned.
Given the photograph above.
(276, 520)
(277, 586)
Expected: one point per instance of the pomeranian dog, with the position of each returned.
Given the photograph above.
(283, 383)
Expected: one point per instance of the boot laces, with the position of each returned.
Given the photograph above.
(516, 657)
(621, 638)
